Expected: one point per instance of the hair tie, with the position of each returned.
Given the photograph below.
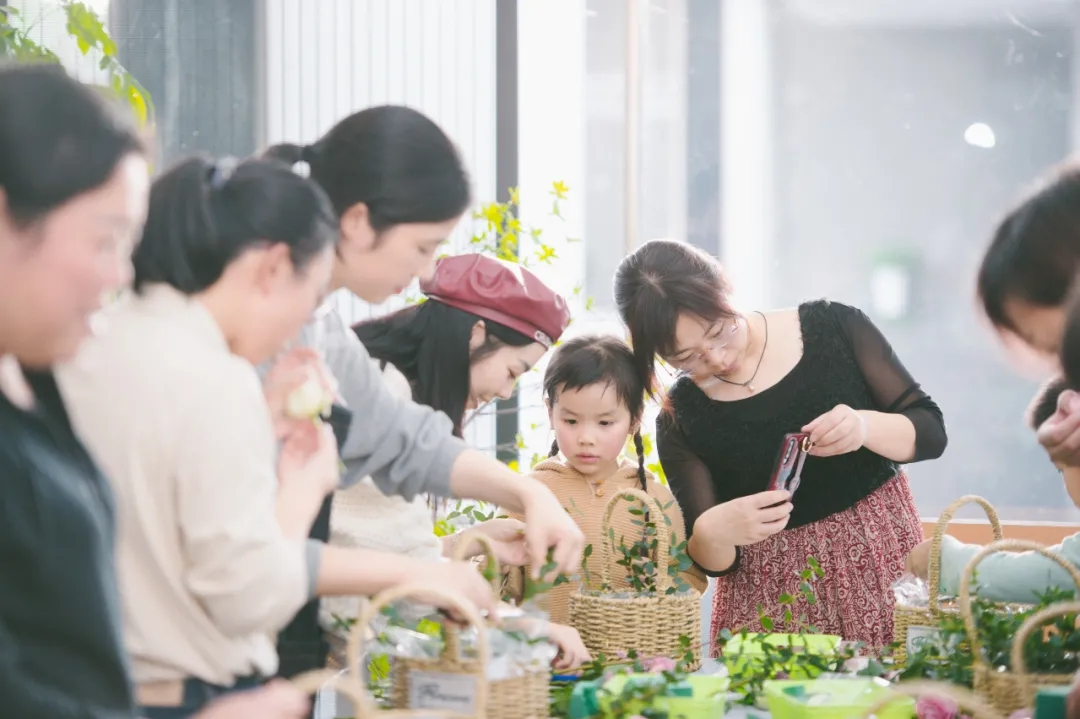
(303, 166)
(221, 171)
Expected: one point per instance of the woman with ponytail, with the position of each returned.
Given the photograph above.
(399, 187)
(595, 400)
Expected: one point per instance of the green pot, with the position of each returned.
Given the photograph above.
(742, 653)
(834, 699)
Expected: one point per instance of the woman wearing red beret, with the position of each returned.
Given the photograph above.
(484, 324)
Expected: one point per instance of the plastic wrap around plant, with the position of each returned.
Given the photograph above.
(518, 638)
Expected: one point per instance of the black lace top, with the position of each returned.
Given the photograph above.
(713, 452)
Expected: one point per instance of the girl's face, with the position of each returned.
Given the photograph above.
(55, 274)
(591, 426)
(276, 299)
(495, 374)
(705, 349)
(376, 266)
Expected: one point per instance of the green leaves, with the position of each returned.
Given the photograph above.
(536, 587)
(749, 673)
(946, 656)
(640, 559)
(90, 35)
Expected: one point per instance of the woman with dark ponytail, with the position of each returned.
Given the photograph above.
(399, 187)
(215, 488)
(595, 400)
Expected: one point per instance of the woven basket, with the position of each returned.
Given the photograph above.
(1008, 691)
(650, 625)
(519, 697)
(352, 686)
(970, 704)
(911, 624)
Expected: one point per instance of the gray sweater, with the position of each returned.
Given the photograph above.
(405, 447)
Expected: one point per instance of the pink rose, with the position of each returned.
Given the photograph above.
(936, 707)
(658, 665)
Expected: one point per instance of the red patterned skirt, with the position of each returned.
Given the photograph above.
(861, 552)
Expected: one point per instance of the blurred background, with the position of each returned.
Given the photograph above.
(860, 151)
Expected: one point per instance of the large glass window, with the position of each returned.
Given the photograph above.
(855, 150)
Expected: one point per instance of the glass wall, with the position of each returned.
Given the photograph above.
(836, 148)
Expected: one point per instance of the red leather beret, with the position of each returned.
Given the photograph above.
(503, 292)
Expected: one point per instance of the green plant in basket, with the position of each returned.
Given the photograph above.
(638, 559)
(755, 658)
(946, 656)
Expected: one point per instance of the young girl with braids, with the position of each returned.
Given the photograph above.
(595, 402)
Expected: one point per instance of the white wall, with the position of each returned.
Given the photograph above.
(551, 128)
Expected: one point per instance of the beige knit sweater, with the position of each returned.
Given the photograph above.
(586, 505)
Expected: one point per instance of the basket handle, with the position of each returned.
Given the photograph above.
(663, 542)
(487, 549)
(353, 687)
(1019, 665)
(967, 700)
(939, 532)
(1005, 545)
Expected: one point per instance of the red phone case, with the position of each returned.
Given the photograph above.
(787, 471)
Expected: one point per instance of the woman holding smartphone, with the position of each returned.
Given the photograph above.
(747, 379)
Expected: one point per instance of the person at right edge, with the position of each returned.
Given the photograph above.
(747, 378)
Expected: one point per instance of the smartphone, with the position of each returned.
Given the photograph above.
(787, 471)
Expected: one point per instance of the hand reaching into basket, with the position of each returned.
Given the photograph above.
(572, 652)
(507, 538)
(463, 578)
(918, 560)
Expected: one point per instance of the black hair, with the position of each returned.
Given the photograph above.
(429, 344)
(1045, 403)
(204, 214)
(1035, 251)
(654, 285)
(599, 359)
(58, 139)
(1070, 343)
(395, 160)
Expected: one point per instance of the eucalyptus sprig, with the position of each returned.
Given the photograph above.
(535, 587)
(639, 559)
(777, 662)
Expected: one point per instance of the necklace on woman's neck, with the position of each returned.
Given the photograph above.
(749, 384)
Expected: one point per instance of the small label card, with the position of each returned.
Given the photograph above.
(917, 636)
(436, 690)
